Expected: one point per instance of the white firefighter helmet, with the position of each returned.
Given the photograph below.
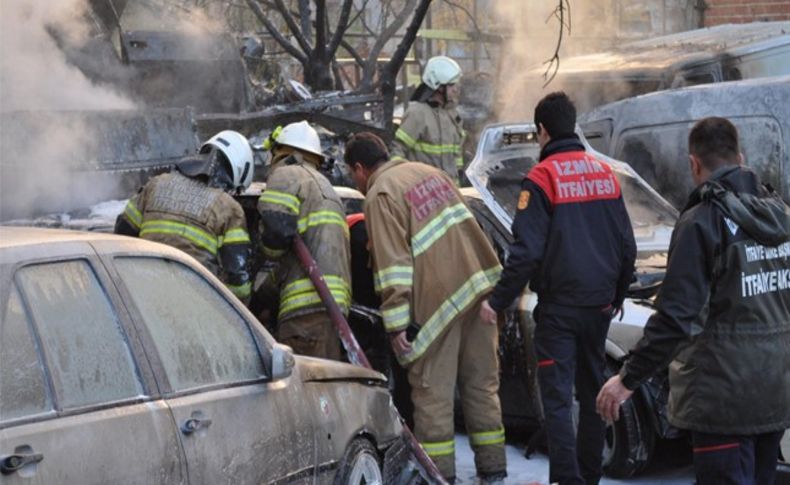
(301, 136)
(237, 150)
(441, 70)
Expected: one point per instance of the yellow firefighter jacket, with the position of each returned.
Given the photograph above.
(431, 259)
(202, 221)
(432, 135)
(300, 199)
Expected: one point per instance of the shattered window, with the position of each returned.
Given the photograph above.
(23, 391)
(87, 351)
(201, 339)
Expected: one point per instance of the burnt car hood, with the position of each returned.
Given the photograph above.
(322, 370)
(506, 152)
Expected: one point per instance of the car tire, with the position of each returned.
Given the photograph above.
(360, 465)
(630, 441)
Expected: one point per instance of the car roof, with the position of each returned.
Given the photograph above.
(24, 237)
(659, 53)
(751, 97)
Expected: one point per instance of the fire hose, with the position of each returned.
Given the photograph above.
(355, 354)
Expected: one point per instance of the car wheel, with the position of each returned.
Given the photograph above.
(630, 441)
(360, 465)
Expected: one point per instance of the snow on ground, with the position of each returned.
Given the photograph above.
(522, 471)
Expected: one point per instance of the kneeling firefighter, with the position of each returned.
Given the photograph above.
(190, 208)
(300, 200)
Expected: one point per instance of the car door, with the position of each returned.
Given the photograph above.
(237, 426)
(75, 406)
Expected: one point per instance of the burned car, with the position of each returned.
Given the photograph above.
(650, 132)
(711, 55)
(504, 155)
(126, 361)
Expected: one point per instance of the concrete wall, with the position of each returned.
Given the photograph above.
(741, 11)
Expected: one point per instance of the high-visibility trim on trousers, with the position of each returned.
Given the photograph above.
(195, 235)
(441, 448)
(484, 438)
(464, 296)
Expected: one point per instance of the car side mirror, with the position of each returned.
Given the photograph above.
(282, 363)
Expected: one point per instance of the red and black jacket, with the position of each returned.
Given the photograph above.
(573, 242)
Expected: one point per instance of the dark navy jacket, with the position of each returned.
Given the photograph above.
(573, 238)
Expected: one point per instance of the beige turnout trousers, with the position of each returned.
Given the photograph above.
(466, 355)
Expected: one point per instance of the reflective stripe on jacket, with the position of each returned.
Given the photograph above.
(431, 135)
(204, 222)
(431, 259)
(300, 199)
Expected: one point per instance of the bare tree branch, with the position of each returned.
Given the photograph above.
(561, 12)
(274, 32)
(471, 17)
(352, 52)
(342, 26)
(304, 17)
(320, 26)
(289, 21)
(372, 60)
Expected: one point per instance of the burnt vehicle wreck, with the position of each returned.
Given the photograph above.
(650, 132)
(711, 55)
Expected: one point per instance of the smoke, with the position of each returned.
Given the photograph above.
(534, 36)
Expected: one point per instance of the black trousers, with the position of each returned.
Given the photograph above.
(736, 460)
(570, 348)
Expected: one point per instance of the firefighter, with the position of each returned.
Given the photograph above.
(432, 267)
(574, 244)
(190, 209)
(299, 200)
(723, 315)
(431, 131)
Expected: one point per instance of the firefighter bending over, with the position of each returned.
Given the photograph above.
(190, 209)
(433, 267)
(431, 131)
(299, 200)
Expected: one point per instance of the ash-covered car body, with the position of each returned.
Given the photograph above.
(504, 155)
(126, 361)
(709, 55)
(650, 132)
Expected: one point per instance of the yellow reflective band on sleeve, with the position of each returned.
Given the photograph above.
(322, 217)
(273, 253)
(133, 214)
(464, 296)
(487, 438)
(438, 227)
(396, 318)
(241, 291)
(193, 234)
(404, 137)
(459, 162)
(235, 236)
(281, 198)
(398, 158)
(441, 448)
(393, 276)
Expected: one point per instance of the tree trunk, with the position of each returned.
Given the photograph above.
(390, 71)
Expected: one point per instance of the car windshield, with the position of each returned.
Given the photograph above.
(507, 152)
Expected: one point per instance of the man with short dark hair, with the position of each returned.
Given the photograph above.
(433, 266)
(723, 315)
(575, 246)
